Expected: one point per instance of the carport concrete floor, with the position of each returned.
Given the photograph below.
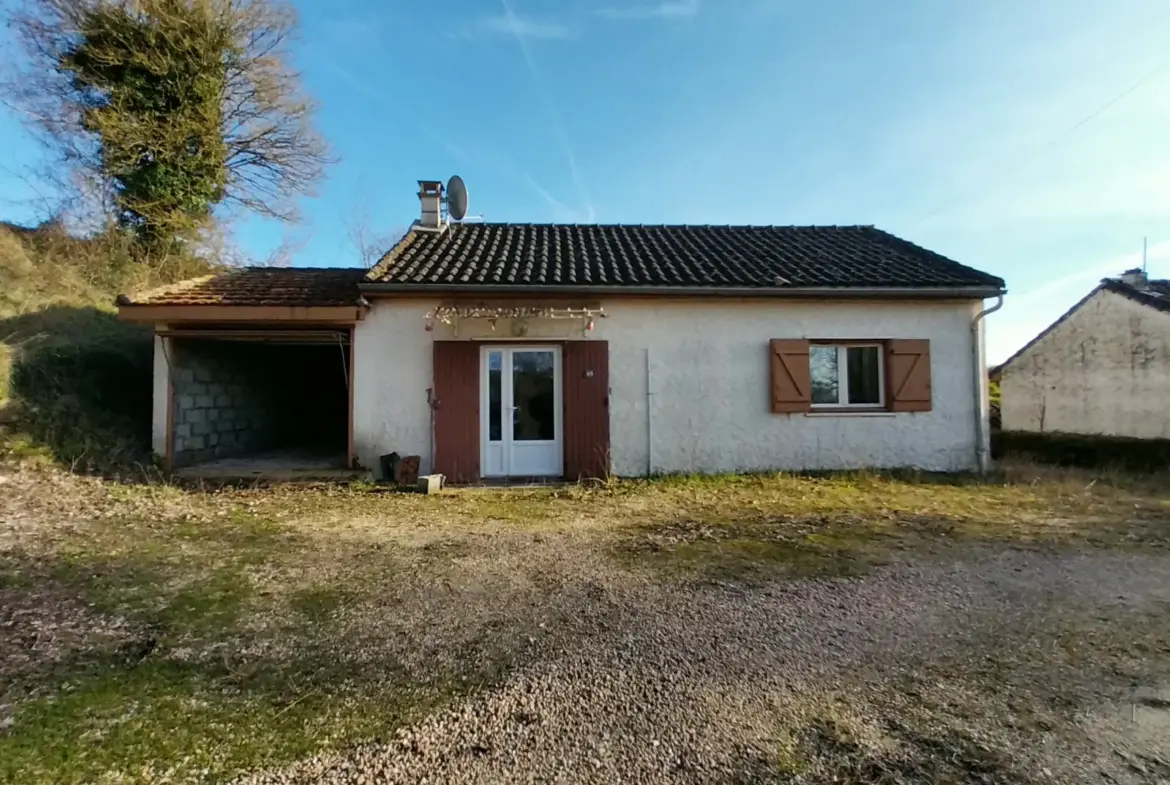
(276, 466)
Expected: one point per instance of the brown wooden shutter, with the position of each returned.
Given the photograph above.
(791, 382)
(585, 393)
(456, 402)
(908, 375)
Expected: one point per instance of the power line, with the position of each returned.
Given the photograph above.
(1024, 159)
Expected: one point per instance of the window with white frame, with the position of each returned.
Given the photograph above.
(846, 375)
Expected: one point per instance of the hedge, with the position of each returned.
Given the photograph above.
(1083, 450)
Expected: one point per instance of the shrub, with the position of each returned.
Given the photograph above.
(1083, 450)
(84, 388)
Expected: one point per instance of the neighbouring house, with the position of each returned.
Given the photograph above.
(517, 350)
(1101, 368)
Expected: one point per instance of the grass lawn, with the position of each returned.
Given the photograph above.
(149, 633)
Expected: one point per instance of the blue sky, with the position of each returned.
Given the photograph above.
(1029, 139)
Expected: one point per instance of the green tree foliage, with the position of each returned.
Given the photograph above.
(149, 88)
(996, 409)
(171, 107)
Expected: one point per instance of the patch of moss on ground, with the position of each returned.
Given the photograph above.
(165, 720)
(753, 552)
(840, 525)
(174, 582)
(182, 687)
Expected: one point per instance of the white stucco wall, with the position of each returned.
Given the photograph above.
(1104, 370)
(709, 369)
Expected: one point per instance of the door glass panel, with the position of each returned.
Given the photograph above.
(495, 396)
(533, 398)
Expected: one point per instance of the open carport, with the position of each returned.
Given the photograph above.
(253, 372)
(259, 403)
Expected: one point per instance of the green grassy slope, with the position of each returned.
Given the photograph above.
(74, 381)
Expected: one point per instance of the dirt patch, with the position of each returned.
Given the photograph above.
(911, 757)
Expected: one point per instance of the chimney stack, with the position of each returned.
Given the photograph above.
(430, 194)
(1135, 278)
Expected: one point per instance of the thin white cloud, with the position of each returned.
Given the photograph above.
(478, 158)
(1089, 276)
(1029, 312)
(522, 27)
(666, 9)
(999, 173)
(550, 107)
(544, 194)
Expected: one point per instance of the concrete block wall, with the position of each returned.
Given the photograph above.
(221, 409)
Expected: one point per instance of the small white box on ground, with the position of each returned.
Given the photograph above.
(431, 483)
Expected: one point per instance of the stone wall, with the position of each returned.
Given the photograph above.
(222, 404)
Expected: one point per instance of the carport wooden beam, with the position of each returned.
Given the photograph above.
(322, 336)
(187, 314)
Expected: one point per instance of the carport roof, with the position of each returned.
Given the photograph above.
(260, 286)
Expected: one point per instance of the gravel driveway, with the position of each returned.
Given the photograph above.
(1006, 666)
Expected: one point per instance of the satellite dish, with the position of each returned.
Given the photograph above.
(456, 198)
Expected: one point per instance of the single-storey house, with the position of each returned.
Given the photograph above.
(1101, 368)
(514, 350)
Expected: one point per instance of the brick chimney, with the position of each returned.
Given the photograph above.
(430, 194)
(1135, 278)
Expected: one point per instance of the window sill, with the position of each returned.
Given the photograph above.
(844, 412)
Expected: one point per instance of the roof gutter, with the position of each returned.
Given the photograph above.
(982, 392)
(866, 292)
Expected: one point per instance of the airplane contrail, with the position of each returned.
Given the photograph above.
(554, 118)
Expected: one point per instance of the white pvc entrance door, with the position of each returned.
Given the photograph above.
(520, 406)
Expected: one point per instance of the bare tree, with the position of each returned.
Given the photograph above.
(170, 106)
(370, 244)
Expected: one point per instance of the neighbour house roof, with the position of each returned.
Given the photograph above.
(1155, 293)
(261, 286)
(589, 256)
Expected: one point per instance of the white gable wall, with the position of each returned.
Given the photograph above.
(1104, 370)
(710, 384)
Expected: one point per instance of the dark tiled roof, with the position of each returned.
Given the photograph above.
(705, 257)
(1154, 293)
(304, 286)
